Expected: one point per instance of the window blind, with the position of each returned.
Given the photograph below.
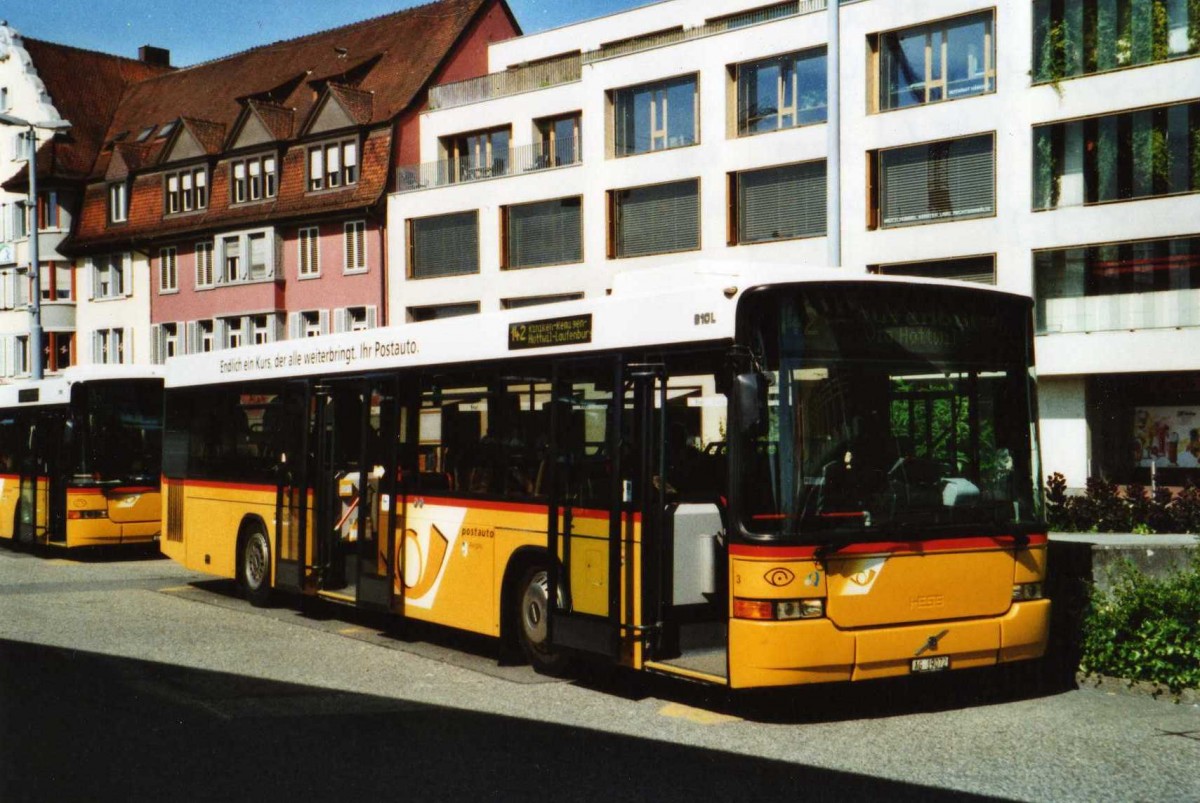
(939, 181)
(781, 203)
(658, 219)
(445, 245)
(545, 233)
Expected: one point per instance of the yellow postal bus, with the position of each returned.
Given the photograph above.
(80, 457)
(744, 477)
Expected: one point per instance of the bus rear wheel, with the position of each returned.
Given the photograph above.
(254, 568)
(533, 615)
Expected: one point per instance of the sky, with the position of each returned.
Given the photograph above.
(200, 30)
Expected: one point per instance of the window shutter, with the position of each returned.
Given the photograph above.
(782, 203)
(323, 321)
(157, 347)
(126, 275)
(658, 219)
(191, 343)
(294, 331)
(446, 245)
(95, 273)
(278, 330)
(371, 317)
(546, 233)
(940, 181)
(340, 320)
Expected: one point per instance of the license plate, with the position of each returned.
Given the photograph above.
(934, 663)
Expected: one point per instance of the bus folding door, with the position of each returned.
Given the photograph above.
(291, 423)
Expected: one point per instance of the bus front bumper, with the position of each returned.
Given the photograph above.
(815, 651)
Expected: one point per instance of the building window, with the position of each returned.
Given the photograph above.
(1117, 157)
(254, 179)
(118, 202)
(979, 269)
(353, 319)
(781, 92)
(481, 154)
(262, 329)
(778, 203)
(333, 164)
(201, 336)
(355, 246)
(443, 245)
(14, 289)
(165, 342)
(1150, 284)
(56, 282)
(1080, 37)
(204, 265)
(110, 276)
(233, 332)
(310, 252)
(542, 233)
(654, 117)
(309, 323)
(939, 181)
(108, 346)
(168, 273)
(48, 211)
(187, 190)
(439, 311)
(658, 219)
(559, 140)
(60, 353)
(944, 60)
(537, 301)
(246, 257)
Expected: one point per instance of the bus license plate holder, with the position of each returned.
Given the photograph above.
(928, 664)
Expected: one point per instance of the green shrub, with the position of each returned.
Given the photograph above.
(1146, 629)
(1106, 508)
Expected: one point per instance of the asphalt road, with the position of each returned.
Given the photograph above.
(134, 680)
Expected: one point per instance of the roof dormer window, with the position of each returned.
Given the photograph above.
(254, 179)
(186, 191)
(146, 132)
(332, 164)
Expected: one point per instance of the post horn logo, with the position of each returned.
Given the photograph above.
(779, 576)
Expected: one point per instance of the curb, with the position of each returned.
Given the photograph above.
(1136, 688)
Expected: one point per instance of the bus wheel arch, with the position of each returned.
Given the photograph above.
(524, 609)
(254, 561)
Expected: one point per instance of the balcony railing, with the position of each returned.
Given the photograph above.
(650, 41)
(502, 84)
(1164, 309)
(563, 152)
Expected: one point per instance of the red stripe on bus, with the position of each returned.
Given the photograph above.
(936, 545)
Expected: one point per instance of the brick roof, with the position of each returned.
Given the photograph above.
(375, 69)
(398, 53)
(85, 87)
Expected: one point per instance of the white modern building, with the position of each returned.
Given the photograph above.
(1051, 147)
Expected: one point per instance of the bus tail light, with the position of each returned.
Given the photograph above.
(778, 609)
(1023, 591)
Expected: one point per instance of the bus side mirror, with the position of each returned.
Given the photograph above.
(750, 390)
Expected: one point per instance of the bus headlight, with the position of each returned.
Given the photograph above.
(87, 514)
(763, 609)
(1023, 591)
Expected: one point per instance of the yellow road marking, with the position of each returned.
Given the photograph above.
(175, 589)
(350, 631)
(697, 715)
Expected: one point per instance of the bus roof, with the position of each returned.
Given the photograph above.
(661, 306)
(57, 389)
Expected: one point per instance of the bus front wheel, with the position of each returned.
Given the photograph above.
(255, 568)
(533, 614)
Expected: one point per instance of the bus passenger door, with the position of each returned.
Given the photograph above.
(376, 489)
(585, 507)
(289, 428)
(30, 517)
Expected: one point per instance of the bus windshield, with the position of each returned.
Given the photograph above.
(888, 411)
(118, 431)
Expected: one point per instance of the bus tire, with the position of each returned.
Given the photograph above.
(532, 618)
(254, 567)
